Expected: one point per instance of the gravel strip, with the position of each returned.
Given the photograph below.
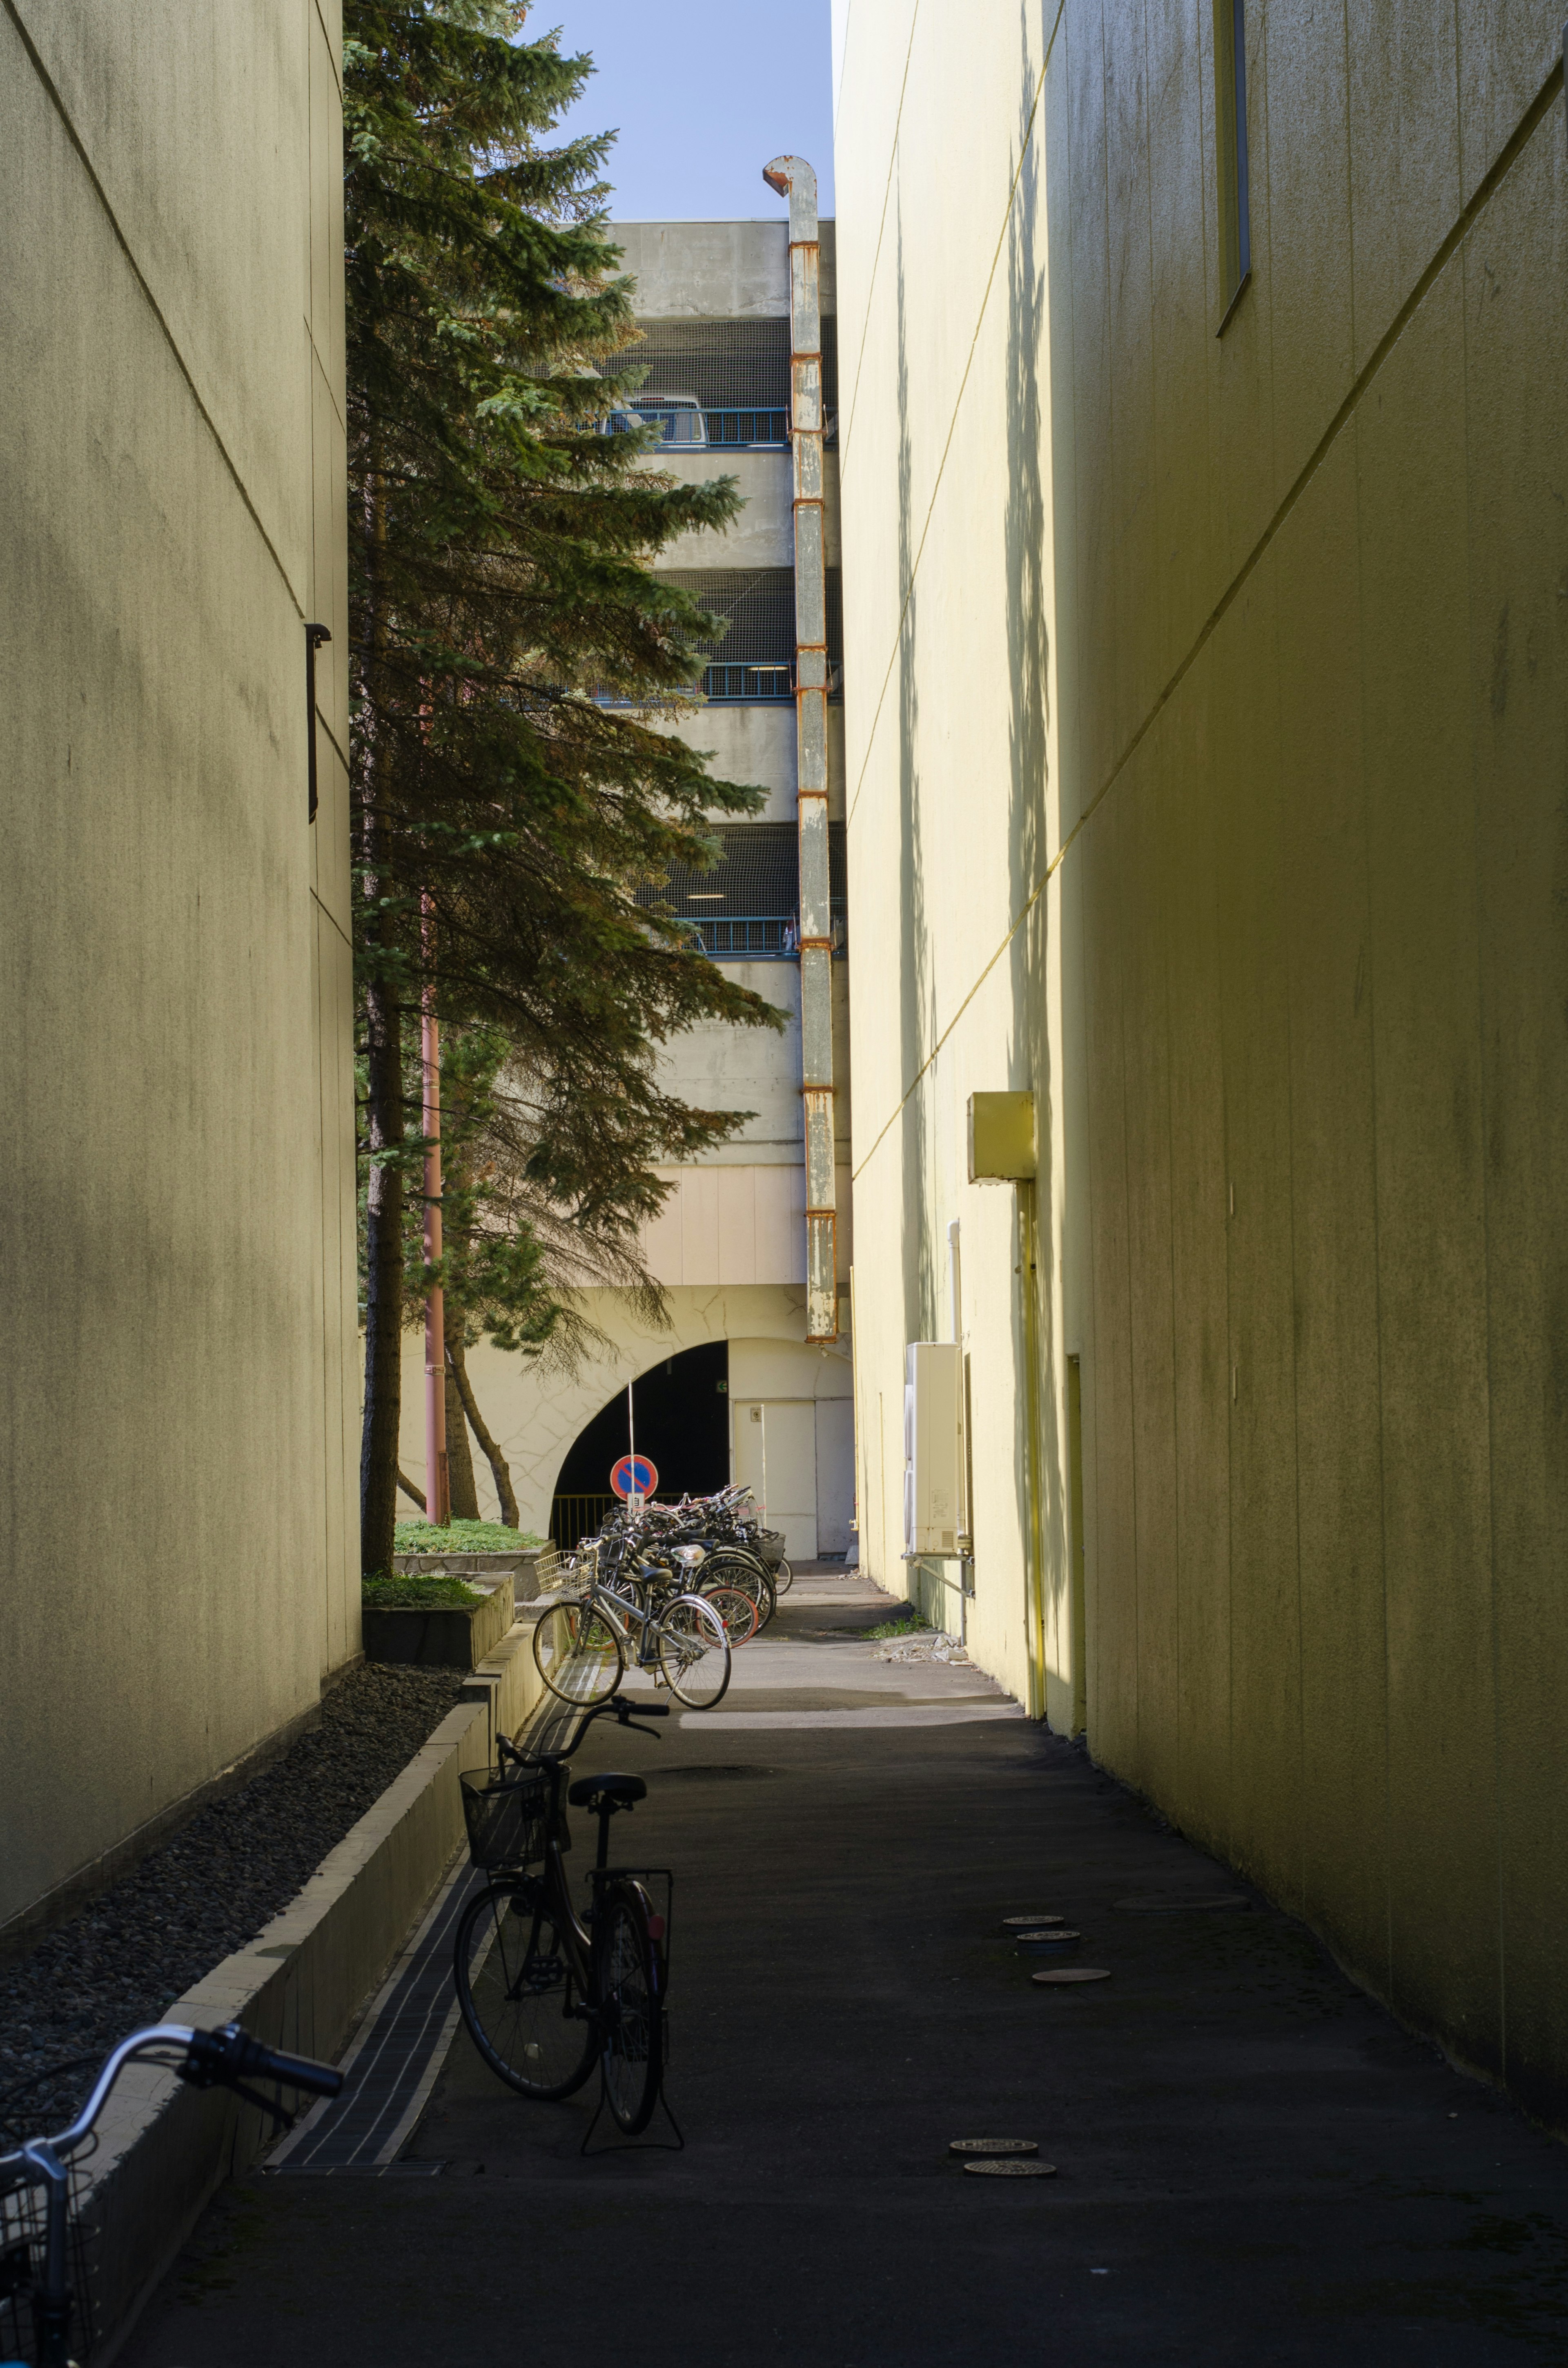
(205, 1891)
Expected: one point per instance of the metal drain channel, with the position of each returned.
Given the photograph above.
(390, 2069)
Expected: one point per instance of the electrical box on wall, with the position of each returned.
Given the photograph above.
(1001, 1138)
(932, 1447)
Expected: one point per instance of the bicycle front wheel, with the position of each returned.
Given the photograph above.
(517, 1994)
(631, 2006)
(578, 1654)
(782, 1577)
(694, 1652)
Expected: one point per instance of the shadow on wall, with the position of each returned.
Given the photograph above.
(1027, 559)
(917, 1021)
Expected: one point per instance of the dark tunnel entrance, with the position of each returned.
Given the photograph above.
(682, 1411)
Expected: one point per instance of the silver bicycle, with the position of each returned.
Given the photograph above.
(585, 1640)
(44, 2292)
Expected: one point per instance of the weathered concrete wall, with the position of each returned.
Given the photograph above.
(717, 271)
(179, 1389)
(1205, 747)
(535, 1414)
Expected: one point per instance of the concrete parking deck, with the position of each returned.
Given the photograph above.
(1256, 2165)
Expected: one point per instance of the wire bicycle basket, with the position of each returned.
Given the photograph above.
(23, 2222)
(507, 1816)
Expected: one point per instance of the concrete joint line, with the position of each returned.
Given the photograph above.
(1485, 191)
(957, 400)
(55, 100)
(881, 226)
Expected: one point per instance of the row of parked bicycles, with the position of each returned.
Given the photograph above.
(673, 1589)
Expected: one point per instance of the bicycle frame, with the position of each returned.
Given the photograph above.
(606, 1600)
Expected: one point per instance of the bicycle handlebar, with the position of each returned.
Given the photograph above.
(224, 2057)
(230, 2054)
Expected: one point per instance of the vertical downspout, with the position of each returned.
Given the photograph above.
(794, 179)
(438, 1485)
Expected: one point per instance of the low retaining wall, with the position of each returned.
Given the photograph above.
(164, 2147)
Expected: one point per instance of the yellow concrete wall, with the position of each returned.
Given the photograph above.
(177, 1255)
(1296, 1009)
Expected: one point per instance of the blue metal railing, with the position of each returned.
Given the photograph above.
(749, 682)
(755, 938)
(734, 429)
(731, 430)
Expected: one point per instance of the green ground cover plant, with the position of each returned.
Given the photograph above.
(464, 1537)
(907, 1623)
(425, 1590)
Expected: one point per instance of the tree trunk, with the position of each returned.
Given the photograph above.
(406, 1485)
(500, 1469)
(386, 1126)
(459, 1461)
(384, 1295)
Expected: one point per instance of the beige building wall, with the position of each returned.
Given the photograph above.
(180, 1393)
(1205, 762)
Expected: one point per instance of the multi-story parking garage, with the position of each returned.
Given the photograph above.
(725, 360)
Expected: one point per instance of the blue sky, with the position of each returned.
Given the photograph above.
(703, 93)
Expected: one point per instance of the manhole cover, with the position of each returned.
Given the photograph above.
(992, 2145)
(1034, 1939)
(1165, 1904)
(1074, 1973)
(1017, 1923)
(1009, 2168)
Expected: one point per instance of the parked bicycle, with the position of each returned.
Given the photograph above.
(547, 1995)
(43, 2276)
(582, 1644)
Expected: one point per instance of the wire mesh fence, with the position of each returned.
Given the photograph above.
(755, 657)
(747, 908)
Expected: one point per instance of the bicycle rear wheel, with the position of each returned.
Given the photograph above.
(735, 1567)
(517, 1992)
(631, 2006)
(781, 1579)
(694, 1652)
(578, 1654)
(736, 1609)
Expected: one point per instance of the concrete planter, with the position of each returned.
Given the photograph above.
(448, 1639)
(523, 1566)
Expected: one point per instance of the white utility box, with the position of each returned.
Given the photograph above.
(933, 1448)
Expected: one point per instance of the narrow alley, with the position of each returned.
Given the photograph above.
(1253, 2163)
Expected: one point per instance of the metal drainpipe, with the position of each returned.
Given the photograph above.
(794, 179)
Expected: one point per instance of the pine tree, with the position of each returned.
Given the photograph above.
(512, 798)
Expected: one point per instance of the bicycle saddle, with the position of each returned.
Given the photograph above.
(621, 1791)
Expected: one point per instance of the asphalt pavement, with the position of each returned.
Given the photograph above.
(1253, 2163)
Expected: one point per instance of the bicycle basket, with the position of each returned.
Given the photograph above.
(508, 1816)
(23, 2217)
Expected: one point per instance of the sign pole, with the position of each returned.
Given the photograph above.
(634, 1501)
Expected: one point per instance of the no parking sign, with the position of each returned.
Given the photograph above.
(635, 1475)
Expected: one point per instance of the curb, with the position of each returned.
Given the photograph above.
(162, 2148)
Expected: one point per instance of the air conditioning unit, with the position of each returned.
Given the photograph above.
(933, 1448)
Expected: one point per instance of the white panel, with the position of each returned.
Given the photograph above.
(747, 1462)
(931, 1448)
(662, 1242)
(700, 1225)
(737, 1223)
(789, 1476)
(835, 1474)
